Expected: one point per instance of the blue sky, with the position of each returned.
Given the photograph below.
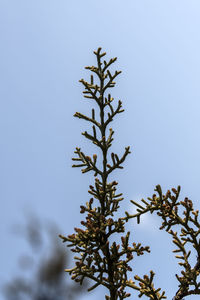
(44, 48)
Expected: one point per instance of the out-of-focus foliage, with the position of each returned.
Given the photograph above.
(42, 276)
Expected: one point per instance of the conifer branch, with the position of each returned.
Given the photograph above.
(104, 262)
(169, 208)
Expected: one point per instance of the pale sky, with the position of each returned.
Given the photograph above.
(45, 45)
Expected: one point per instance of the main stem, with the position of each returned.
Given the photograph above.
(113, 290)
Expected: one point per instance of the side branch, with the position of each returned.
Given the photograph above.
(167, 207)
(81, 116)
(113, 113)
(118, 162)
(146, 287)
(86, 162)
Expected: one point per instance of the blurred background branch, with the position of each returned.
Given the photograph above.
(41, 271)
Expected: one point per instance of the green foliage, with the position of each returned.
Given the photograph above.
(97, 257)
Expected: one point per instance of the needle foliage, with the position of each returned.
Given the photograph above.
(97, 256)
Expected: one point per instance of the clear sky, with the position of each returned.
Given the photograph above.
(45, 45)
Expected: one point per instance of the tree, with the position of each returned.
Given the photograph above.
(46, 280)
(97, 257)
